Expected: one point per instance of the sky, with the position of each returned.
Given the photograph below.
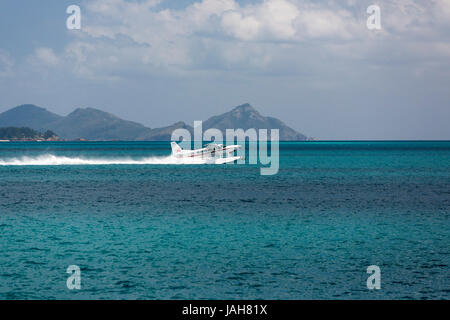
(313, 64)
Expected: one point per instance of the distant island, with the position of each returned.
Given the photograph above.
(26, 134)
(95, 124)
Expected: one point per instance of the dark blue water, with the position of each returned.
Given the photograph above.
(164, 231)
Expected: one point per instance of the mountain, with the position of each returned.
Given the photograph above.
(94, 124)
(28, 115)
(165, 133)
(246, 117)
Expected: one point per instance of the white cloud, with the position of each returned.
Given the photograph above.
(44, 57)
(122, 37)
(324, 23)
(278, 17)
(219, 34)
(244, 28)
(6, 64)
(270, 20)
(442, 9)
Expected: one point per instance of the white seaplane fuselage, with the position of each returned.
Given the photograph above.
(212, 153)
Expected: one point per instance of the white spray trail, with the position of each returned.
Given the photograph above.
(53, 160)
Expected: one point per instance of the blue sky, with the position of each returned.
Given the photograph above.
(313, 64)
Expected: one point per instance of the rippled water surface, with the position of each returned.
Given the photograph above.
(157, 230)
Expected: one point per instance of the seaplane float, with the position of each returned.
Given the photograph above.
(212, 153)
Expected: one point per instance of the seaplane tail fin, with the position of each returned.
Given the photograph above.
(175, 148)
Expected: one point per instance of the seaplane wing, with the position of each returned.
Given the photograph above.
(227, 159)
(211, 153)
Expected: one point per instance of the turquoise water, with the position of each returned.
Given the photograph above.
(151, 230)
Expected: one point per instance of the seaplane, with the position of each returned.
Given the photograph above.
(212, 153)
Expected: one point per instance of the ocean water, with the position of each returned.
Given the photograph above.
(141, 227)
